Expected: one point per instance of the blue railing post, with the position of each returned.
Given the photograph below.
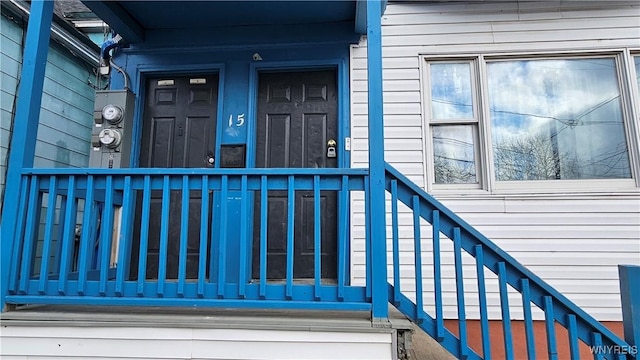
(630, 296)
(34, 61)
(376, 163)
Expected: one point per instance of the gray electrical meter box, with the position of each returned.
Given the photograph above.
(111, 137)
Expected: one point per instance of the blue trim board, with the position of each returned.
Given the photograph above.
(26, 126)
(377, 195)
(630, 295)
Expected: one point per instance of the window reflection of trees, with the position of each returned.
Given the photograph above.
(567, 150)
(545, 121)
(536, 156)
(452, 169)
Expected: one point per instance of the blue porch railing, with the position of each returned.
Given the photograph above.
(580, 327)
(67, 252)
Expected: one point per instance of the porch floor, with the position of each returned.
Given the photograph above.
(218, 318)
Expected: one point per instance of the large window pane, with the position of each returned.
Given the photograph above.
(557, 119)
(451, 96)
(454, 154)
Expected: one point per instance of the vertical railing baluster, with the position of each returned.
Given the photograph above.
(184, 236)
(528, 319)
(31, 231)
(462, 321)
(60, 235)
(343, 236)
(264, 205)
(572, 330)
(48, 234)
(317, 236)
(244, 239)
(222, 239)
(395, 243)
(164, 236)
(417, 243)
(482, 298)
(437, 276)
(204, 234)
(598, 353)
(124, 241)
(16, 253)
(106, 227)
(504, 307)
(549, 321)
(144, 235)
(68, 239)
(85, 237)
(291, 208)
(367, 240)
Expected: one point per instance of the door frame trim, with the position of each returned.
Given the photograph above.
(145, 72)
(342, 84)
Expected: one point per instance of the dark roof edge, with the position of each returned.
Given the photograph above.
(62, 32)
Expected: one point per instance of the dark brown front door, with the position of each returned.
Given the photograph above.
(179, 131)
(297, 116)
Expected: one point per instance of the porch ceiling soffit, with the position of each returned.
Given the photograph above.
(132, 19)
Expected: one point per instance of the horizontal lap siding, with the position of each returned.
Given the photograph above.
(10, 58)
(66, 112)
(573, 242)
(66, 117)
(188, 343)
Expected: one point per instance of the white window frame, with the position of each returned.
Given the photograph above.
(477, 133)
(485, 174)
(634, 101)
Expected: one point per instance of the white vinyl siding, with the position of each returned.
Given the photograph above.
(158, 342)
(573, 240)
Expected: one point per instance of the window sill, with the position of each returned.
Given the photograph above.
(543, 189)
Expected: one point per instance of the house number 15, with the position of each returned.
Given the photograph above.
(239, 121)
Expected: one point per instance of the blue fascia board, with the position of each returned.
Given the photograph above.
(241, 37)
(131, 29)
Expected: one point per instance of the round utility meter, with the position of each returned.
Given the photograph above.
(110, 138)
(112, 114)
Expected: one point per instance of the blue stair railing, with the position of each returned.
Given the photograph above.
(580, 326)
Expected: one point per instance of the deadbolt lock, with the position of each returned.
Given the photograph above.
(331, 148)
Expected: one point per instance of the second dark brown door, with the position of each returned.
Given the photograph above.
(297, 116)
